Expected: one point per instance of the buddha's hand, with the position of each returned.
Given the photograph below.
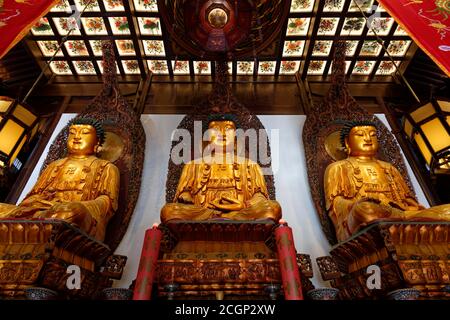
(185, 197)
(228, 204)
(413, 205)
(373, 200)
(65, 210)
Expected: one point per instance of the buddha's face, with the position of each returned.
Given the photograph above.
(82, 139)
(362, 141)
(222, 133)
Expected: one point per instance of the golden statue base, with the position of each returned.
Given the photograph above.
(409, 255)
(37, 253)
(221, 259)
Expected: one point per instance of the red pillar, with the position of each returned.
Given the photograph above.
(147, 265)
(290, 275)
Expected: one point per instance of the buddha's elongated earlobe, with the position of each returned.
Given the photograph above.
(347, 147)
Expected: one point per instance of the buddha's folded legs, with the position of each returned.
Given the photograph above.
(365, 212)
(69, 212)
(265, 209)
(6, 210)
(437, 213)
(181, 211)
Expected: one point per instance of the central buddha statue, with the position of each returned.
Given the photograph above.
(222, 186)
(81, 188)
(362, 189)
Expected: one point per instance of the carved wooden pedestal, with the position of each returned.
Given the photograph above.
(408, 254)
(37, 253)
(221, 260)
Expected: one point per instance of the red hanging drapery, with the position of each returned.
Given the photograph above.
(16, 19)
(428, 23)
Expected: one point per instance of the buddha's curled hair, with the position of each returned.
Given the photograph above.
(222, 117)
(92, 122)
(348, 125)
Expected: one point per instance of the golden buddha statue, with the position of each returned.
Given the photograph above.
(223, 186)
(362, 189)
(81, 188)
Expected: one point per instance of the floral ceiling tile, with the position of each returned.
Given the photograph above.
(302, 5)
(400, 31)
(381, 26)
(100, 64)
(158, 66)
(84, 67)
(293, 48)
(245, 67)
(202, 67)
(370, 48)
(94, 26)
(316, 67)
(180, 67)
(90, 5)
(289, 67)
(76, 48)
(350, 47)
(61, 6)
(365, 5)
(131, 67)
(363, 67)
(151, 26)
(154, 47)
(347, 66)
(333, 5)
(298, 26)
(398, 48)
(42, 27)
(146, 5)
(322, 48)
(125, 47)
(353, 26)
(49, 48)
(96, 46)
(328, 26)
(119, 25)
(114, 5)
(60, 67)
(64, 25)
(386, 68)
(266, 67)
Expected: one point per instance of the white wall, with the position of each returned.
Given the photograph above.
(291, 181)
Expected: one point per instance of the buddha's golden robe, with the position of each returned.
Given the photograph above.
(203, 183)
(358, 192)
(90, 186)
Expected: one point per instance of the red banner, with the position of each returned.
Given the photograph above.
(147, 264)
(428, 23)
(16, 19)
(290, 275)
